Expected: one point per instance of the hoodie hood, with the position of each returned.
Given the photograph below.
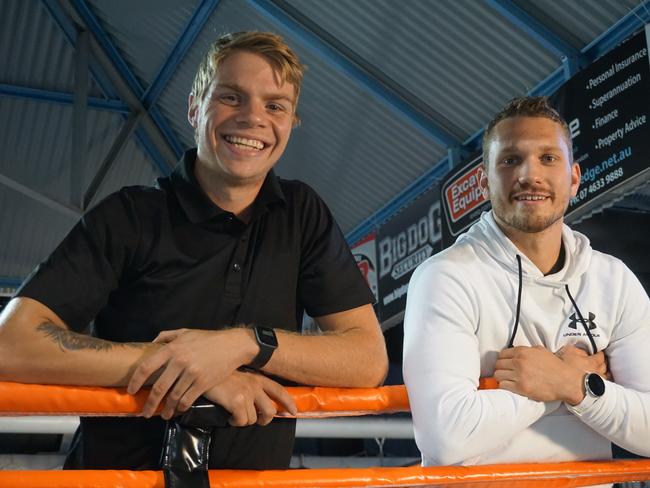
(487, 237)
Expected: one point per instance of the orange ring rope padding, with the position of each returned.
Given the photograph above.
(547, 475)
(312, 402)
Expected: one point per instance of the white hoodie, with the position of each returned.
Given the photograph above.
(460, 313)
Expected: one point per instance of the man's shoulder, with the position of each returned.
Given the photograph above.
(142, 193)
(127, 209)
(133, 198)
(294, 190)
(454, 262)
(607, 266)
(303, 200)
(461, 253)
(603, 259)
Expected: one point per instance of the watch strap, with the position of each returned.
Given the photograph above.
(267, 342)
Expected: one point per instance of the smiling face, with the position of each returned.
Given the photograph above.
(529, 175)
(243, 122)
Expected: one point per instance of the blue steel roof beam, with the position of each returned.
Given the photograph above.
(150, 137)
(620, 31)
(183, 44)
(571, 57)
(105, 42)
(70, 31)
(456, 155)
(79, 126)
(51, 96)
(350, 65)
(166, 131)
(628, 25)
(62, 19)
(52, 203)
(159, 161)
(117, 146)
(89, 18)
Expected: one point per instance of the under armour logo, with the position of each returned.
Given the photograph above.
(574, 321)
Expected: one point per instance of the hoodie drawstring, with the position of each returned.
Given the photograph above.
(573, 302)
(582, 321)
(514, 329)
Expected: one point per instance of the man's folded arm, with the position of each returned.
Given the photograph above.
(453, 420)
(351, 352)
(36, 346)
(622, 414)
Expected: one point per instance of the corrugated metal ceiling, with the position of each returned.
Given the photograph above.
(33, 52)
(437, 51)
(578, 22)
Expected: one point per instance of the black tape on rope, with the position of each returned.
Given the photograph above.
(186, 449)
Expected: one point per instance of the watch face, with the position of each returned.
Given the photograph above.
(596, 384)
(267, 336)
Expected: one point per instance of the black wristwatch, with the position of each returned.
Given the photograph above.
(594, 385)
(268, 343)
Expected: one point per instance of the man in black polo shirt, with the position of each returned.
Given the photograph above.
(209, 271)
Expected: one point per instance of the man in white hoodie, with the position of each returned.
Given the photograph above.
(517, 298)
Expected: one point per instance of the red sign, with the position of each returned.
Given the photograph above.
(464, 194)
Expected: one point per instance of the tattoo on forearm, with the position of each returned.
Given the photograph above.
(73, 341)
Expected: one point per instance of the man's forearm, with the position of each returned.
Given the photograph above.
(455, 422)
(49, 353)
(622, 414)
(537, 373)
(194, 361)
(353, 358)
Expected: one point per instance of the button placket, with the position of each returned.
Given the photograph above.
(233, 289)
(240, 252)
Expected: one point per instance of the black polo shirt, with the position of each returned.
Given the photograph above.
(146, 260)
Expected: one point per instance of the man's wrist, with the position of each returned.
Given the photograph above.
(250, 349)
(576, 392)
(267, 342)
(594, 388)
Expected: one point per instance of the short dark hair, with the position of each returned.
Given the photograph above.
(526, 107)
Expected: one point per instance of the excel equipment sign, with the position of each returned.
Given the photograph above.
(462, 200)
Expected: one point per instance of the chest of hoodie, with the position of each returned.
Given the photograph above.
(547, 315)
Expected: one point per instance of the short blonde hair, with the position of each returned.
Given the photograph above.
(283, 60)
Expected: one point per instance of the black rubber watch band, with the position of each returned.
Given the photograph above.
(268, 343)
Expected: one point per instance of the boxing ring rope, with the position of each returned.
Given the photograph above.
(28, 399)
(88, 401)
